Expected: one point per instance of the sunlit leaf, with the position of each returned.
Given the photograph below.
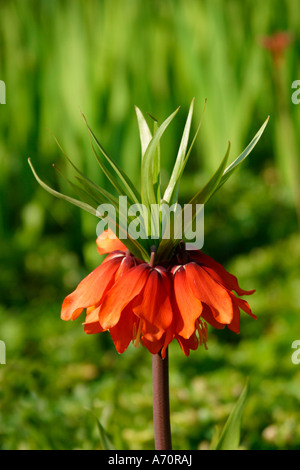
(145, 133)
(136, 248)
(105, 441)
(172, 193)
(180, 157)
(115, 174)
(156, 164)
(230, 436)
(206, 192)
(76, 202)
(147, 190)
(89, 186)
(233, 166)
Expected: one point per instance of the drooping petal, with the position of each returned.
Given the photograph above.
(91, 324)
(189, 306)
(218, 272)
(159, 346)
(154, 305)
(154, 347)
(210, 292)
(235, 324)
(122, 332)
(108, 242)
(127, 287)
(243, 304)
(187, 344)
(91, 289)
(208, 316)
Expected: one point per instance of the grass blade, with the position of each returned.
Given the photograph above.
(230, 436)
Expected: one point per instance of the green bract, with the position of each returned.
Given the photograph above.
(92, 196)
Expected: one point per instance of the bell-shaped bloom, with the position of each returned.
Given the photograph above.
(153, 305)
(203, 292)
(90, 291)
(137, 307)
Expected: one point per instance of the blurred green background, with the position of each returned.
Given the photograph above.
(103, 57)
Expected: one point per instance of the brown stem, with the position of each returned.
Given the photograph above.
(161, 406)
(160, 381)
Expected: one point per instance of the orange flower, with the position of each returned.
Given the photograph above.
(277, 44)
(154, 305)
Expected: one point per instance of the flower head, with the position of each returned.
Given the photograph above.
(152, 305)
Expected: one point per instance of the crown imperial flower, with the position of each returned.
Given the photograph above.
(153, 305)
(152, 290)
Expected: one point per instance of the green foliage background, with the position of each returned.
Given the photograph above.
(103, 57)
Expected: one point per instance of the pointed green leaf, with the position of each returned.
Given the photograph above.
(178, 174)
(201, 197)
(81, 192)
(233, 166)
(89, 186)
(126, 187)
(148, 195)
(105, 441)
(197, 132)
(97, 192)
(156, 164)
(206, 192)
(230, 436)
(215, 438)
(180, 157)
(145, 133)
(136, 248)
(76, 202)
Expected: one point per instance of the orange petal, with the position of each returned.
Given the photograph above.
(219, 273)
(93, 328)
(91, 324)
(127, 263)
(154, 347)
(210, 292)
(122, 332)
(189, 306)
(154, 305)
(235, 324)
(91, 289)
(241, 303)
(160, 345)
(208, 316)
(118, 297)
(108, 242)
(187, 344)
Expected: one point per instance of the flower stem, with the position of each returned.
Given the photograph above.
(161, 406)
(160, 381)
